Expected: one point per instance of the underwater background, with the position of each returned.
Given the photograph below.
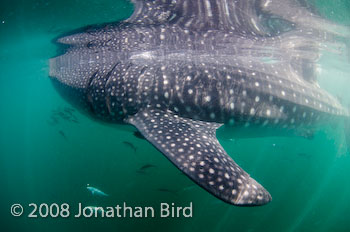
(49, 152)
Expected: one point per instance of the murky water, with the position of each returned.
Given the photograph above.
(49, 152)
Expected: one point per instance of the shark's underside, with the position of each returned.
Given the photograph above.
(179, 69)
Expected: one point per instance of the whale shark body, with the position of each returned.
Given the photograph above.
(177, 70)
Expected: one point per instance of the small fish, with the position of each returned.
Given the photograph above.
(137, 134)
(74, 120)
(128, 144)
(145, 167)
(67, 109)
(66, 114)
(62, 134)
(233, 140)
(96, 191)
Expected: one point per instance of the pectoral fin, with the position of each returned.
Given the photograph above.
(193, 148)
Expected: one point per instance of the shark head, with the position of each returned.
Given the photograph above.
(80, 76)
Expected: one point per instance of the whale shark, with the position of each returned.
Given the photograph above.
(177, 70)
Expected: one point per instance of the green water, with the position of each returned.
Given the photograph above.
(46, 162)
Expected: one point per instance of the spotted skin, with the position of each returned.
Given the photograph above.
(178, 69)
(192, 146)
